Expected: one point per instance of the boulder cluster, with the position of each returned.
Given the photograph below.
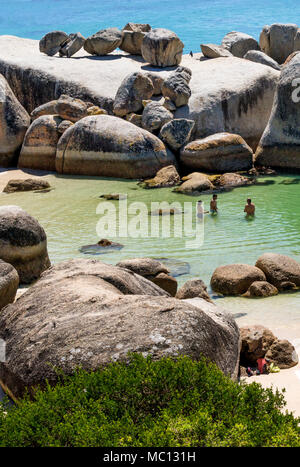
(159, 47)
(272, 273)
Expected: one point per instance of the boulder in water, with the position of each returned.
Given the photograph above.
(235, 279)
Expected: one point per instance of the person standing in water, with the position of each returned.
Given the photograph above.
(213, 205)
(249, 208)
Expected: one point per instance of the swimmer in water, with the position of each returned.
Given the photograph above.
(213, 205)
(200, 210)
(249, 208)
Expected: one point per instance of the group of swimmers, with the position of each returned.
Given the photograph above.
(249, 208)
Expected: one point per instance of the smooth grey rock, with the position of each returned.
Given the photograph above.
(9, 282)
(108, 146)
(279, 146)
(215, 51)
(260, 57)
(222, 152)
(162, 47)
(155, 116)
(103, 42)
(132, 37)
(235, 279)
(14, 121)
(74, 44)
(177, 88)
(86, 313)
(177, 132)
(51, 43)
(133, 90)
(279, 269)
(39, 146)
(277, 40)
(192, 289)
(239, 43)
(23, 243)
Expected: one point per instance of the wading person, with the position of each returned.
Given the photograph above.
(213, 205)
(249, 208)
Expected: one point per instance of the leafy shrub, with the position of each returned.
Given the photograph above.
(150, 403)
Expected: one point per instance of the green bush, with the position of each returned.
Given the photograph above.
(150, 403)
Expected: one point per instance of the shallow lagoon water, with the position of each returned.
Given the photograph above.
(68, 214)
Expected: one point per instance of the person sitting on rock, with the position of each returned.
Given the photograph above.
(249, 208)
(213, 205)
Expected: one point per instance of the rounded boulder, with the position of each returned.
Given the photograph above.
(235, 279)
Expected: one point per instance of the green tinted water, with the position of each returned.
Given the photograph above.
(68, 214)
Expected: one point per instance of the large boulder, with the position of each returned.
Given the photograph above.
(110, 147)
(283, 354)
(69, 108)
(45, 109)
(232, 180)
(256, 340)
(72, 46)
(279, 146)
(222, 152)
(176, 86)
(177, 132)
(214, 51)
(9, 282)
(14, 121)
(23, 243)
(51, 43)
(135, 88)
(86, 313)
(161, 47)
(235, 279)
(237, 100)
(132, 37)
(279, 270)
(261, 289)
(103, 42)
(260, 57)
(155, 116)
(238, 43)
(192, 289)
(278, 40)
(40, 143)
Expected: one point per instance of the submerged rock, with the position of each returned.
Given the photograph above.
(235, 279)
(261, 289)
(23, 243)
(175, 266)
(107, 146)
(14, 121)
(222, 152)
(162, 47)
(239, 43)
(9, 282)
(103, 246)
(103, 42)
(30, 184)
(40, 143)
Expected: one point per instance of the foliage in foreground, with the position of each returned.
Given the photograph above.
(151, 403)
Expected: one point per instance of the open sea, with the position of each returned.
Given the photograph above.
(195, 21)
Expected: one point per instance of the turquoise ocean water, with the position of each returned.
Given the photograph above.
(195, 21)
